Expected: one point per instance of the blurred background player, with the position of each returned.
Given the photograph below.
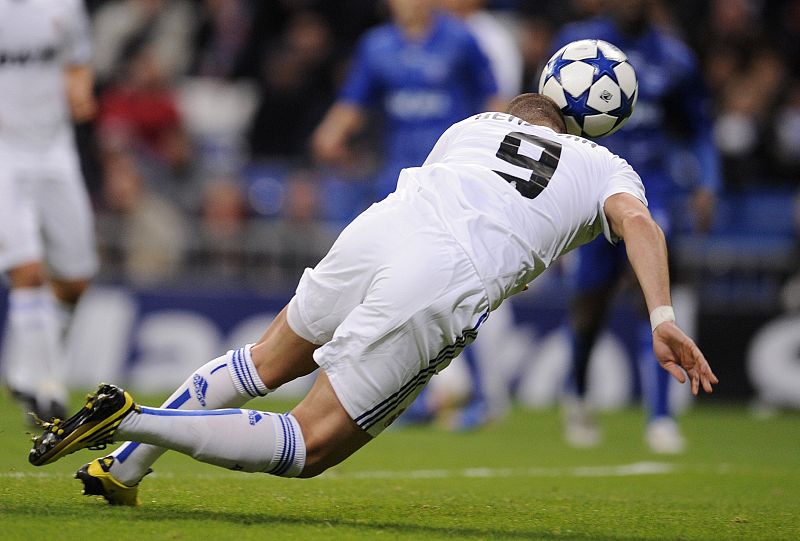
(672, 102)
(46, 228)
(419, 73)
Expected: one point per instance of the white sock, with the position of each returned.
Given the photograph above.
(34, 353)
(217, 384)
(237, 439)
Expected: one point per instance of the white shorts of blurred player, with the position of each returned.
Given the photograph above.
(392, 303)
(45, 214)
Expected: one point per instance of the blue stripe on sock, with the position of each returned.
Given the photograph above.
(127, 449)
(247, 372)
(238, 371)
(287, 442)
(223, 365)
(284, 450)
(291, 447)
(179, 401)
(130, 447)
(188, 413)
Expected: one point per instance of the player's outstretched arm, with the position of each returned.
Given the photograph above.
(647, 252)
(79, 86)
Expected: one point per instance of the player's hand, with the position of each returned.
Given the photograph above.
(680, 356)
(329, 149)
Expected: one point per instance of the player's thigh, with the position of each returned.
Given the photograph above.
(20, 242)
(67, 221)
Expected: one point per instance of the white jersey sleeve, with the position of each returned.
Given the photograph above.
(623, 179)
(77, 33)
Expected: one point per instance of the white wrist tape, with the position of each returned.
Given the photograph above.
(659, 315)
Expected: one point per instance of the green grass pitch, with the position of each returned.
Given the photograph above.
(740, 479)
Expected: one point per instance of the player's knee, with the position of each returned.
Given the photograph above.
(70, 291)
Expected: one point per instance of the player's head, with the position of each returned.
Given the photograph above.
(538, 109)
(631, 16)
(463, 8)
(409, 13)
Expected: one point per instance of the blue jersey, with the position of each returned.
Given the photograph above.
(420, 87)
(671, 92)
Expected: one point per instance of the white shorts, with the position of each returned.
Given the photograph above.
(45, 214)
(395, 300)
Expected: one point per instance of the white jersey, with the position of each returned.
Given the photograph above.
(38, 39)
(517, 196)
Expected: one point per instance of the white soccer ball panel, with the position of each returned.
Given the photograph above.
(612, 52)
(542, 79)
(576, 78)
(605, 95)
(580, 50)
(626, 77)
(553, 90)
(598, 125)
(573, 127)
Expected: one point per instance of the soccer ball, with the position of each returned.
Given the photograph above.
(594, 84)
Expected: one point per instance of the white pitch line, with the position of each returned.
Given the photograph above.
(638, 468)
(624, 470)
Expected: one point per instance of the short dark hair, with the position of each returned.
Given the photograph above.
(538, 109)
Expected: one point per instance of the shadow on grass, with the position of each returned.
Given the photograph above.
(172, 514)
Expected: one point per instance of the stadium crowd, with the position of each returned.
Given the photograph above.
(199, 161)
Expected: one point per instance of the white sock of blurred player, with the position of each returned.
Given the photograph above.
(228, 381)
(34, 352)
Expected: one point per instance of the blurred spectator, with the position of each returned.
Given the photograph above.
(297, 239)
(223, 43)
(736, 24)
(746, 103)
(216, 114)
(124, 25)
(141, 110)
(150, 234)
(223, 221)
(296, 88)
